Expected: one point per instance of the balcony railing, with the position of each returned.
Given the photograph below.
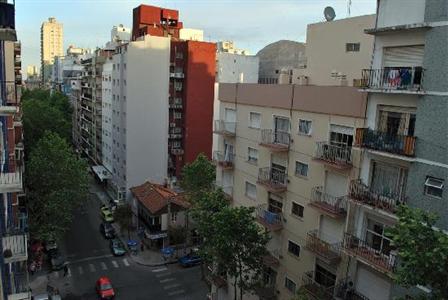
(382, 141)
(363, 250)
(11, 175)
(10, 93)
(315, 289)
(384, 199)
(224, 159)
(17, 286)
(335, 207)
(329, 252)
(337, 156)
(270, 220)
(404, 79)
(272, 257)
(273, 179)
(345, 290)
(225, 128)
(15, 247)
(275, 140)
(175, 103)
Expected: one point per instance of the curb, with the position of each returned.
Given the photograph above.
(152, 264)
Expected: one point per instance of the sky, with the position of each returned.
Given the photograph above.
(251, 24)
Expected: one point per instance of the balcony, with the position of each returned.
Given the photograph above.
(11, 96)
(270, 220)
(224, 159)
(345, 291)
(17, 286)
(383, 199)
(408, 79)
(330, 253)
(385, 142)
(15, 247)
(11, 175)
(273, 180)
(177, 75)
(334, 156)
(364, 251)
(225, 128)
(177, 151)
(315, 289)
(272, 258)
(275, 140)
(335, 207)
(226, 188)
(175, 103)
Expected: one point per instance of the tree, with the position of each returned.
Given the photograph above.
(239, 245)
(57, 183)
(198, 176)
(123, 216)
(422, 251)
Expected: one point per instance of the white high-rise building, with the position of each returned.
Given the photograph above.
(51, 45)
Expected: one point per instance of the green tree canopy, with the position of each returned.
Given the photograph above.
(123, 217)
(57, 182)
(198, 176)
(422, 251)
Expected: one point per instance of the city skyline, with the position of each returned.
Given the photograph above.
(94, 32)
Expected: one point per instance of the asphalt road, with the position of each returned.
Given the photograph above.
(90, 258)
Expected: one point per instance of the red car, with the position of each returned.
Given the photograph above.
(104, 288)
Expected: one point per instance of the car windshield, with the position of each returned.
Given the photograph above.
(106, 286)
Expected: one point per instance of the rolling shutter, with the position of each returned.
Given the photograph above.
(372, 285)
(409, 56)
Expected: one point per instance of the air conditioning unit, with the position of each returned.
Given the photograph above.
(172, 124)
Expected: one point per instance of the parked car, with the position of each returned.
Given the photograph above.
(104, 288)
(57, 260)
(117, 247)
(106, 214)
(190, 260)
(107, 230)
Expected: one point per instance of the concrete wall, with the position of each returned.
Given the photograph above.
(106, 89)
(235, 68)
(326, 50)
(400, 12)
(191, 34)
(146, 110)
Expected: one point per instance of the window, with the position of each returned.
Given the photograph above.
(251, 190)
(290, 285)
(254, 120)
(293, 248)
(376, 237)
(297, 210)
(304, 127)
(173, 216)
(301, 169)
(434, 187)
(352, 47)
(252, 155)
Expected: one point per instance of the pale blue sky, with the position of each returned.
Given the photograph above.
(252, 24)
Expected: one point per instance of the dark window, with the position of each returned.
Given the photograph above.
(297, 209)
(352, 47)
(293, 248)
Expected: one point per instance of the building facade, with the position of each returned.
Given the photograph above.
(51, 45)
(14, 282)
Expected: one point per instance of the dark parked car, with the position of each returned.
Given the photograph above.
(107, 230)
(117, 247)
(190, 260)
(57, 260)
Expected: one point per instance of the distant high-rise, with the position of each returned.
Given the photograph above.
(51, 45)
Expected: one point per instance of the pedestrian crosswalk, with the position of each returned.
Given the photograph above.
(91, 267)
(168, 282)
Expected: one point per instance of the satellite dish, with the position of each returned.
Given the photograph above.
(329, 13)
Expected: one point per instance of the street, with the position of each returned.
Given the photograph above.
(89, 258)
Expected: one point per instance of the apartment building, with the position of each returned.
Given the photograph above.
(14, 282)
(51, 45)
(404, 143)
(162, 101)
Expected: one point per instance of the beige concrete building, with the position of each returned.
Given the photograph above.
(51, 45)
(287, 151)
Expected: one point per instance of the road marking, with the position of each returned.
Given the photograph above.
(176, 292)
(159, 270)
(103, 266)
(80, 270)
(115, 264)
(171, 286)
(92, 268)
(125, 261)
(166, 280)
(90, 258)
(163, 274)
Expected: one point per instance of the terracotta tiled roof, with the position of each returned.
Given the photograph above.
(155, 197)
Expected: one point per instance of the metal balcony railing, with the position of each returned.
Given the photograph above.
(345, 290)
(10, 92)
(382, 198)
(406, 78)
(11, 175)
(270, 220)
(276, 140)
(225, 128)
(315, 289)
(17, 285)
(383, 141)
(175, 103)
(363, 250)
(329, 204)
(338, 156)
(15, 246)
(330, 252)
(224, 159)
(272, 257)
(273, 179)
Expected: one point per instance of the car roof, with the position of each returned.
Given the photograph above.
(103, 280)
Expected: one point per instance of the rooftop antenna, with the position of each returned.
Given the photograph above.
(349, 5)
(329, 13)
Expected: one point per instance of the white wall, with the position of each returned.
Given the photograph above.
(235, 68)
(191, 34)
(400, 12)
(147, 76)
(107, 115)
